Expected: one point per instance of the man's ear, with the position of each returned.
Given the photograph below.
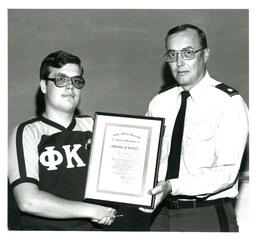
(206, 54)
(43, 86)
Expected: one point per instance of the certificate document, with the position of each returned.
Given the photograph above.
(124, 158)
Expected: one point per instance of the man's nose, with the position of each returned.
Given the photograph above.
(179, 60)
(69, 84)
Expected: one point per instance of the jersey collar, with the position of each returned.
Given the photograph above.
(58, 126)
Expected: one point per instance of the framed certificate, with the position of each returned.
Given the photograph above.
(124, 159)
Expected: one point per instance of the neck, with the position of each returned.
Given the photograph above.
(62, 118)
(189, 87)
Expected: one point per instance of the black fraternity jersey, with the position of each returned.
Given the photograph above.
(56, 159)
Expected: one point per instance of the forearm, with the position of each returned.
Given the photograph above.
(44, 204)
(206, 181)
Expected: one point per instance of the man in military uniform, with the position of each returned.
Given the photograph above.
(203, 144)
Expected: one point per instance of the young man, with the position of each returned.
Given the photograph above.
(48, 155)
(203, 144)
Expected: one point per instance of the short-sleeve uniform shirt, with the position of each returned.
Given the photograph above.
(214, 138)
(56, 159)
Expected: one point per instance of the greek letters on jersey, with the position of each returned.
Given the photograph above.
(52, 156)
(56, 159)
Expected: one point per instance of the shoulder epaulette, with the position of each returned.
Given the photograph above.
(165, 88)
(227, 89)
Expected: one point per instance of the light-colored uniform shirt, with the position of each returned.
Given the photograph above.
(214, 139)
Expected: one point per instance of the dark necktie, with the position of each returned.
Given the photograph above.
(175, 151)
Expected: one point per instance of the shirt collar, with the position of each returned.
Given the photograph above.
(200, 88)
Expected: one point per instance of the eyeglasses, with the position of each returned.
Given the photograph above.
(60, 81)
(186, 53)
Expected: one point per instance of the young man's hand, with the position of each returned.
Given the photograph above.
(105, 216)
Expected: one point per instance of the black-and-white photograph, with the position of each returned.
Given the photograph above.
(188, 68)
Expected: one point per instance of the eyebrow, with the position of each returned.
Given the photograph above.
(63, 75)
(189, 47)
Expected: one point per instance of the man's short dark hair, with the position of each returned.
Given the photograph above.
(58, 59)
(183, 27)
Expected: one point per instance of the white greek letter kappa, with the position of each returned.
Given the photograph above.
(73, 154)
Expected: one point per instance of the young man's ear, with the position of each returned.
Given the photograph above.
(206, 54)
(43, 86)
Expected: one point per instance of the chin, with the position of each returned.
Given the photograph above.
(182, 82)
(70, 108)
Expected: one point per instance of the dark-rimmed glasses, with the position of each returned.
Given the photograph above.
(61, 81)
(186, 53)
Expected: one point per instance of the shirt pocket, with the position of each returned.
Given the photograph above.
(201, 129)
(199, 144)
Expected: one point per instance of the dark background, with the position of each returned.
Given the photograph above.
(122, 51)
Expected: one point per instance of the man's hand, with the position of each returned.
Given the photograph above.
(161, 190)
(105, 216)
(105, 220)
